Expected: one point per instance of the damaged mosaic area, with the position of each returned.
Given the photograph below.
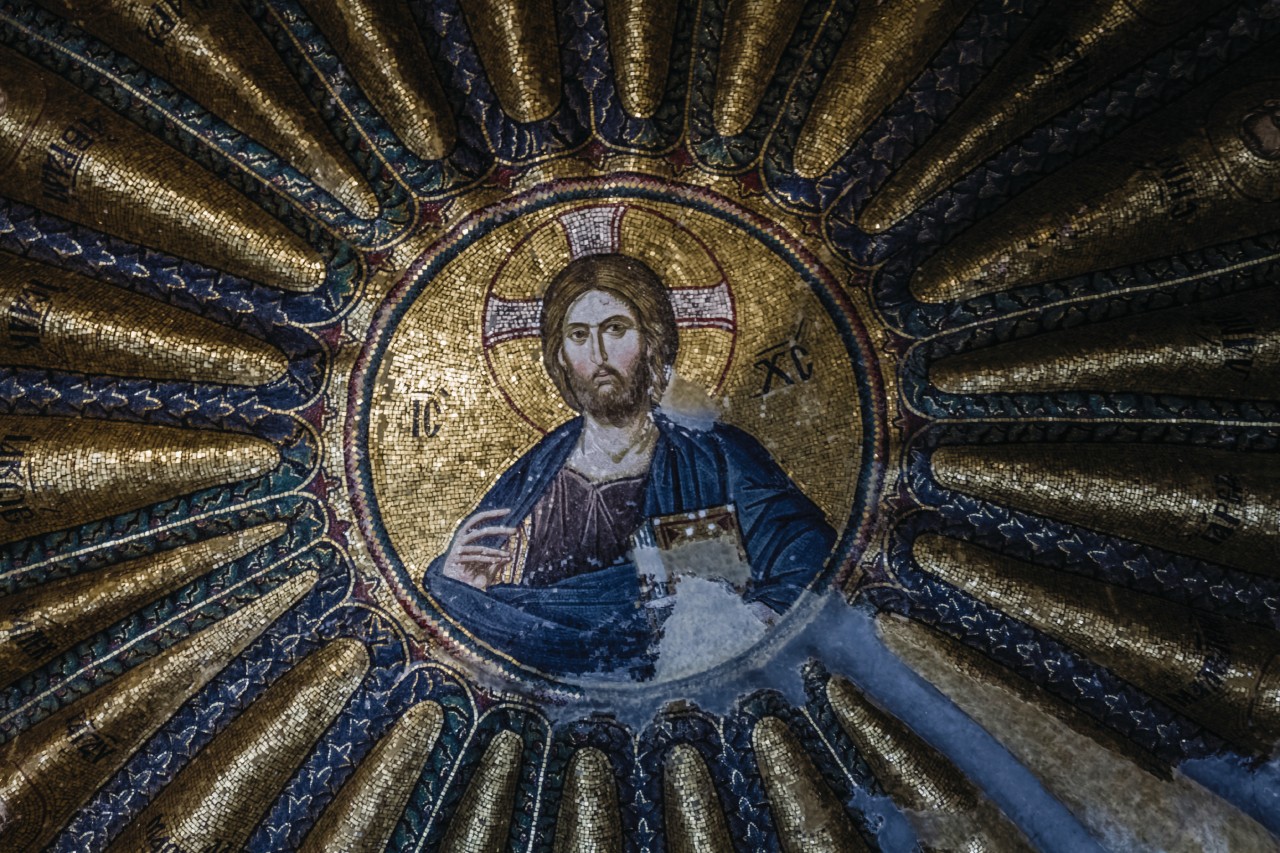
(660, 425)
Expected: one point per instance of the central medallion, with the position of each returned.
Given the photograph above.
(615, 431)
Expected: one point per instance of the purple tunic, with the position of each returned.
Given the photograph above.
(580, 526)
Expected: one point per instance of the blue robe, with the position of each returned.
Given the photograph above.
(594, 622)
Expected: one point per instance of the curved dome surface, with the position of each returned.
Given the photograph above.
(655, 425)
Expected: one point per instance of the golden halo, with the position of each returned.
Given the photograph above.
(700, 290)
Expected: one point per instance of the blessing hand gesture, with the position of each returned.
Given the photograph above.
(477, 565)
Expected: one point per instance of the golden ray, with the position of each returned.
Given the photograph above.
(54, 319)
(1069, 51)
(217, 54)
(64, 152)
(640, 35)
(1225, 676)
(1083, 765)
(946, 809)
(483, 818)
(1215, 504)
(48, 772)
(695, 821)
(1203, 171)
(40, 623)
(806, 813)
(888, 45)
(756, 34)
(519, 50)
(59, 472)
(364, 814)
(589, 821)
(380, 42)
(216, 801)
(1225, 348)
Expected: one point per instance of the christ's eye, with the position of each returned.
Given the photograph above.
(578, 336)
(616, 328)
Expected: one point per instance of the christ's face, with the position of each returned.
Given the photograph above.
(603, 350)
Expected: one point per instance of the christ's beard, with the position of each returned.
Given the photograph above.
(617, 403)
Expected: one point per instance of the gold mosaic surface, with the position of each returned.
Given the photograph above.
(976, 380)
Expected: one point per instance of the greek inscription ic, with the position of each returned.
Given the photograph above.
(426, 409)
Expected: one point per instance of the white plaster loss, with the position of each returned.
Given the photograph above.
(709, 624)
(687, 404)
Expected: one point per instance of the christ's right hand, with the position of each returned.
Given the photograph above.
(472, 564)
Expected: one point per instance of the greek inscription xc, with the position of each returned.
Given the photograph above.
(784, 364)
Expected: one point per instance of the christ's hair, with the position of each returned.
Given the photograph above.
(633, 282)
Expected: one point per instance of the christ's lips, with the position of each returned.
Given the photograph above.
(606, 374)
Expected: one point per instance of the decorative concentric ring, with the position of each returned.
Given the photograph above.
(987, 288)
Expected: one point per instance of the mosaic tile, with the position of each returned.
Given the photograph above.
(639, 425)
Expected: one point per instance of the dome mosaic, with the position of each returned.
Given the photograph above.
(646, 425)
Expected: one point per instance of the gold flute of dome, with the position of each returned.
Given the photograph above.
(380, 43)
(808, 816)
(483, 818)
(64, 152)
(946, 809)
(1122, 796)
(756, 33)
(47, 772)
(1225, 676)
(216, 53)
(39, 623)
(589, 821)
(1218, 505)
(1068, 51)
(694, 819)
(1203, 171)
(640, 34)
(887, 46)
(364, 814)
(1227, 347)
(216, 801)
(520, 52)
(59, 472)
(59, 320)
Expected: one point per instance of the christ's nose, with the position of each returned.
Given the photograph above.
(598, 353)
